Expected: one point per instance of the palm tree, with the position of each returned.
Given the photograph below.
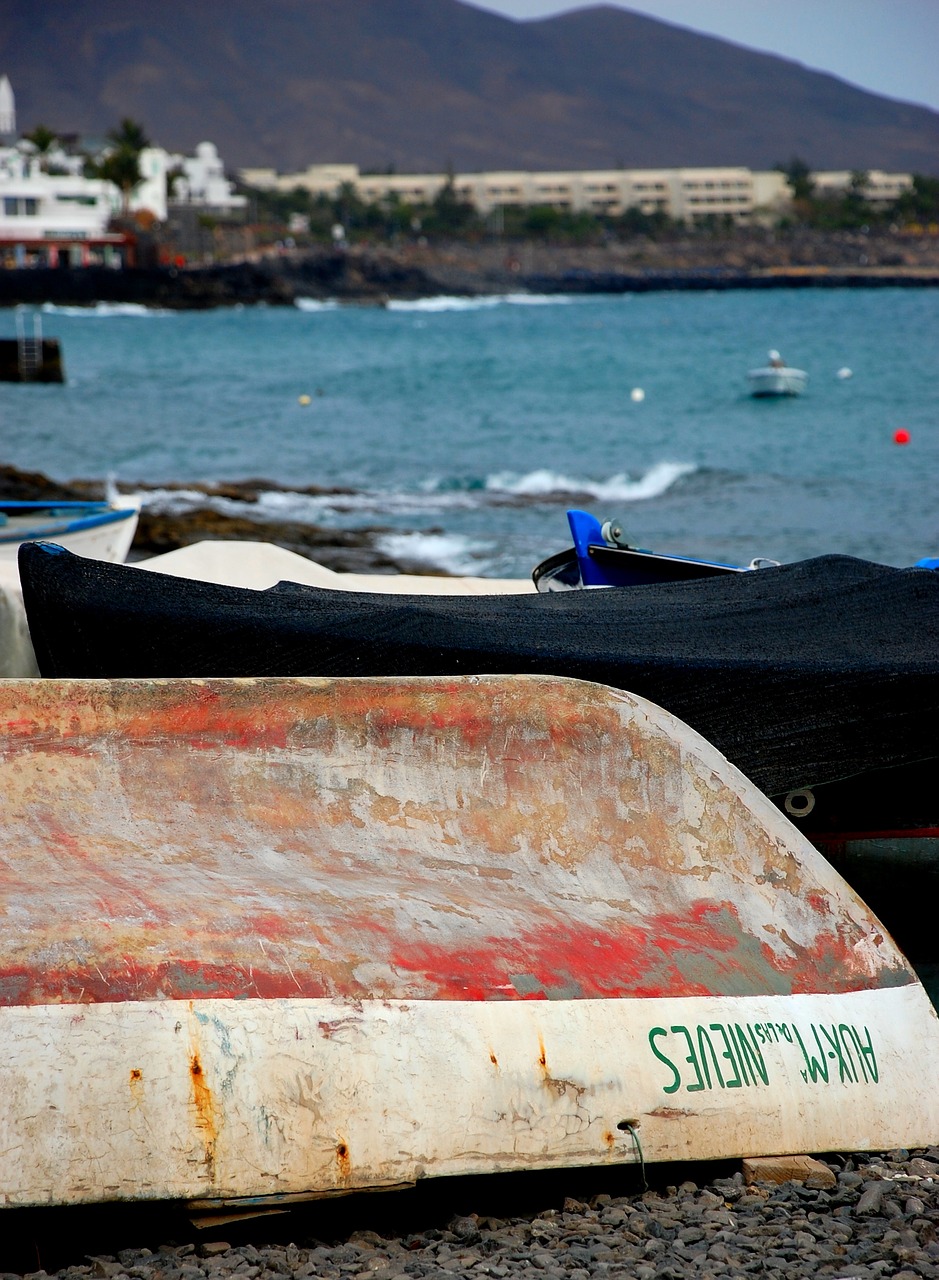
(42, 139)
(129, 136)
(121, 165)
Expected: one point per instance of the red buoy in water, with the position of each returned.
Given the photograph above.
(901, 436)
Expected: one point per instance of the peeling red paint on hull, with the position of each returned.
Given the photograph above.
(416, 877)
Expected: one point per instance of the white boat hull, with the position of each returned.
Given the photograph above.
(286, 937)
(225, 1099)
(105, 537)
(777, 382)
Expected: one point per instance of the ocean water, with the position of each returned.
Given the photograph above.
(464, 429)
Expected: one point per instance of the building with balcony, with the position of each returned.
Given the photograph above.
(732, 194)
(878, 188)
(51, 215)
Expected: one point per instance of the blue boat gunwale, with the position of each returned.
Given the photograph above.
(96, 518)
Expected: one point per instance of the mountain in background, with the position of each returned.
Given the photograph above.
(425, 84)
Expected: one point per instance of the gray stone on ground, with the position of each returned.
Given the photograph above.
(870, 1217)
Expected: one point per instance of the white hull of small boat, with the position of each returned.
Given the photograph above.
(282, 937)
(99, 531)
(777, 382)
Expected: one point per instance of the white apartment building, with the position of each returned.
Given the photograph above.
(54, 218)
(880, 188)
(52, 215)
(685, 195)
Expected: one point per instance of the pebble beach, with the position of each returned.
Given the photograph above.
(862, 1216)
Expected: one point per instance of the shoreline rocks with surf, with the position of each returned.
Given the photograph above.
(167, 526)
(375, 274)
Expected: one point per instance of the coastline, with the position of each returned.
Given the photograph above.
(376, 274)
(158, 531)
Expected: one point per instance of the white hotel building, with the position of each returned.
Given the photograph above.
(684, 195)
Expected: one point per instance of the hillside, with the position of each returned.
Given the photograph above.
(420, 84)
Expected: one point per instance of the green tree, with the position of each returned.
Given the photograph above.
(921, 203)
(121, 164)
(799, 176)
(349, 208)
(42, 138)
(855, 208)
(173, 177)
(129, 136)
(448, 214)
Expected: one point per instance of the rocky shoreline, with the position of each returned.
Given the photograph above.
(159, 530)
(376, 274)
(864, 1216)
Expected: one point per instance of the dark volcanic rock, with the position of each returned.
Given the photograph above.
(681, 1228)
(274, 280)
(33, 486)
(158, 531)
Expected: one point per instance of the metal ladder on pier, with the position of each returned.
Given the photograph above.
(29, 354)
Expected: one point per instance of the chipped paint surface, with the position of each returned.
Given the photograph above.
(270, 936)
(485, 840)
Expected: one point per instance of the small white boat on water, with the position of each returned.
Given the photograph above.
(776, 378)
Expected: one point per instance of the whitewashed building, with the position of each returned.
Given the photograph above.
(51, 214)
(198, 181)
(54, 218)
(878, 188)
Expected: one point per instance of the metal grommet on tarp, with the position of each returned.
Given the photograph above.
(800, 803)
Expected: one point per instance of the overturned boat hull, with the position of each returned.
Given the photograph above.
(282, 936)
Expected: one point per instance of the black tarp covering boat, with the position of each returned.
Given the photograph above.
(801, 674)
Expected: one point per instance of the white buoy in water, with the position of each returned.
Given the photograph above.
(637, 395)
(845, 372)
(304, 400)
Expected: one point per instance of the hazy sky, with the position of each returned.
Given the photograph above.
(888, 46)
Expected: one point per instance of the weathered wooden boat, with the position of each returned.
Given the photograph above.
(104, 530)
(277, 937)
(799, 674)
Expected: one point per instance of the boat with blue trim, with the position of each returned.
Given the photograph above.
(103, 530)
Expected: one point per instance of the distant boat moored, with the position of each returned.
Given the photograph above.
(776, 378)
